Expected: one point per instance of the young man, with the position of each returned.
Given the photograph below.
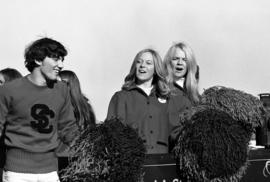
(36, 111)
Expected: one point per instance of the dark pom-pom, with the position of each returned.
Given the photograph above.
(240, 105)
(110, 152)
(212, 146)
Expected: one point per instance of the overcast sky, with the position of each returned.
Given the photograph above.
(230, 38)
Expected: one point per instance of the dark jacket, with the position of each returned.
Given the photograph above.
(146, 114)
(177, 103)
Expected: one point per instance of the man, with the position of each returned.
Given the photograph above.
(37, 112)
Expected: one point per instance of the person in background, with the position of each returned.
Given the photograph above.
(36, 111)
(9, 74)
(83, 111)
(6, 75)
(183, 78)
(142, 101)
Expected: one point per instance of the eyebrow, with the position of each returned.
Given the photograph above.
(179, 57)
(144, 60)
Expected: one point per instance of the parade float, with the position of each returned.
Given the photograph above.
(212, 143)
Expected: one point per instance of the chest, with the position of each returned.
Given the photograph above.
(142, 107)
(42, 103)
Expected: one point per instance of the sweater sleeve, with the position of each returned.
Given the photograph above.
(3, 109)
(68, 129)
(117, 107)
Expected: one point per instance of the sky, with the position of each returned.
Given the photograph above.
(230, 39)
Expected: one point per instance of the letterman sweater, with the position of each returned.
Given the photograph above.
(36, 117)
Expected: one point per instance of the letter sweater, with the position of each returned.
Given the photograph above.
(35, 118)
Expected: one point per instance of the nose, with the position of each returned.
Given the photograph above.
(180, 60)
(60, 64)
(142, 64)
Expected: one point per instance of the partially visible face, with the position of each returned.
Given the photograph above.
(65, 80)
(50, 68)
(2, 79)
(145, 67)
(179, 64)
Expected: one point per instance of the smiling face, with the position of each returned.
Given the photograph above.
(179, 64)
(50, 68)
(145, 68)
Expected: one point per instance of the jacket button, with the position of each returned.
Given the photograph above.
(151, 131)
(134, 126)
(148, 102)
(150, 116)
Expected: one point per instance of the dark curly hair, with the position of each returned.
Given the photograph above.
(42, 48)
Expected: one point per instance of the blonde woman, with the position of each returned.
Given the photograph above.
(183, 77)
(142, 102)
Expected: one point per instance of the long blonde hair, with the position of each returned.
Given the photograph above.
(159, 78)
(192, 75)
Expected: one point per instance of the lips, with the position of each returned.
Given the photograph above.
(142, 71)
(179, 69)
(56, 71)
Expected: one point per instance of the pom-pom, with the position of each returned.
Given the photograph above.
(110, 152)
(240, 105)
(212, 146)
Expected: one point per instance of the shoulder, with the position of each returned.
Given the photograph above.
(122, 96)
(177, 91)
(14, 85)
(119, 94)
(61, 88)
(59, 85)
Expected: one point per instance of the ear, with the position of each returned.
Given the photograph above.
(38, 62)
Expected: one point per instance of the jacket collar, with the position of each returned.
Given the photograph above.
(179, 87)
(135, 87)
